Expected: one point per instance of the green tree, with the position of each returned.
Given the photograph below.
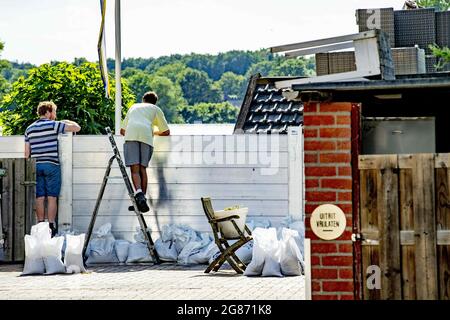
(174, 71)
(232, 85)
(129, 72)
(4, 84)
(289, 67)
(223, 112)
(79, 61)
(138, 63)
(442, 5)
(202, 62)
(263, 67)
(198, 87)
(169, 93)
(157, 63)
(77, 91)
(12, 71)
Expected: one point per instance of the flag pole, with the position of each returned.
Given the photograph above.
(118, 109)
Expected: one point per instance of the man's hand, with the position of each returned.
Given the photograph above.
(122, 131)
(164, 133)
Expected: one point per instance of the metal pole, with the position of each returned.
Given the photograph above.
(118, 113)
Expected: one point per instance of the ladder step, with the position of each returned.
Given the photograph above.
(117, 177)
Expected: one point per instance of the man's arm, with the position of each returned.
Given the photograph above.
(27, 150)
(161, 122)
(71, 126)
(164, 133)
(122, 131)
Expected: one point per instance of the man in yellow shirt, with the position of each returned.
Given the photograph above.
(142, 122)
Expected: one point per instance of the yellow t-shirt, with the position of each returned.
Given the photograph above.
(141, 120)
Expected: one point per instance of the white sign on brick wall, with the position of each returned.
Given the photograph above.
(328, 222)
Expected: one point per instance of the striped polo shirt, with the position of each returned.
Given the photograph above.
(43, 138)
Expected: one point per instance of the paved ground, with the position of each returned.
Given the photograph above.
(147, 282)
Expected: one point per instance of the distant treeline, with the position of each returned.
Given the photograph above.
(192, 85)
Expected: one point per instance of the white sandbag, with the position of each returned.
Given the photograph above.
(34, 262)
(73, 256)
(244, 253)
(121, 248)
(41, 231)
(193, 251)
(167, 233)
(139, 235)
(272, 252)
(208, 253)
(299, 226)
(261, 237)
(291, 259)
(96, 258)
(101, 246)
(64, 233)
(138, 252)
(227, 228)
(183, 234)
(51, 252)
(166, 250)
(261, 223)
(215, 255)
(73, 269)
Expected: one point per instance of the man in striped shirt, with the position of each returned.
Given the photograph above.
(41, 143)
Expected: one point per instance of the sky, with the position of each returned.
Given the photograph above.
(38, 31)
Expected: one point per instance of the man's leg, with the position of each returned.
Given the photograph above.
(138, 185)
(40, 209)
(52, 208)
(144, 178)
(136, 176)
(40, 193)
(53, 185)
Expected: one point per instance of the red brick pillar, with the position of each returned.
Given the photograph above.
(328, 179)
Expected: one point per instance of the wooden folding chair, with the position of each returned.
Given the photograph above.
(227, 251)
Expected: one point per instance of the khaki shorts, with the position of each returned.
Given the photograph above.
(136, 152)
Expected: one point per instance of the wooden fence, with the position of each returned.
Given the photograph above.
(17, 186)
(405, 225)
(231, 169)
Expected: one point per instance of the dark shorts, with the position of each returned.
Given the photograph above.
(136, 152)
(48, 180)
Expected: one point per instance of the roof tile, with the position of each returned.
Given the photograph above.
(269, 111)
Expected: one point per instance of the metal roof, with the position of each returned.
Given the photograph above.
(425, 81)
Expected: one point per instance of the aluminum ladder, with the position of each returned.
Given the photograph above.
(126, 179)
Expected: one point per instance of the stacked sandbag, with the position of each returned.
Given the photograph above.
(138, 251)
(51, 253)
(274, 257)
(101, 246)
(73, 255)
(43, 254)
(121, 248)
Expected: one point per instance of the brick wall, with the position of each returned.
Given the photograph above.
(328, 179)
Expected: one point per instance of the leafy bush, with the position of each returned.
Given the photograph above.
(77, 91)
(442, 54)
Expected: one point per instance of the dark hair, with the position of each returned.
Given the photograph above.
(150, 97)
(45, 106)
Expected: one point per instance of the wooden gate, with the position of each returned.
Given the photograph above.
(17, 209)
(405, 225)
